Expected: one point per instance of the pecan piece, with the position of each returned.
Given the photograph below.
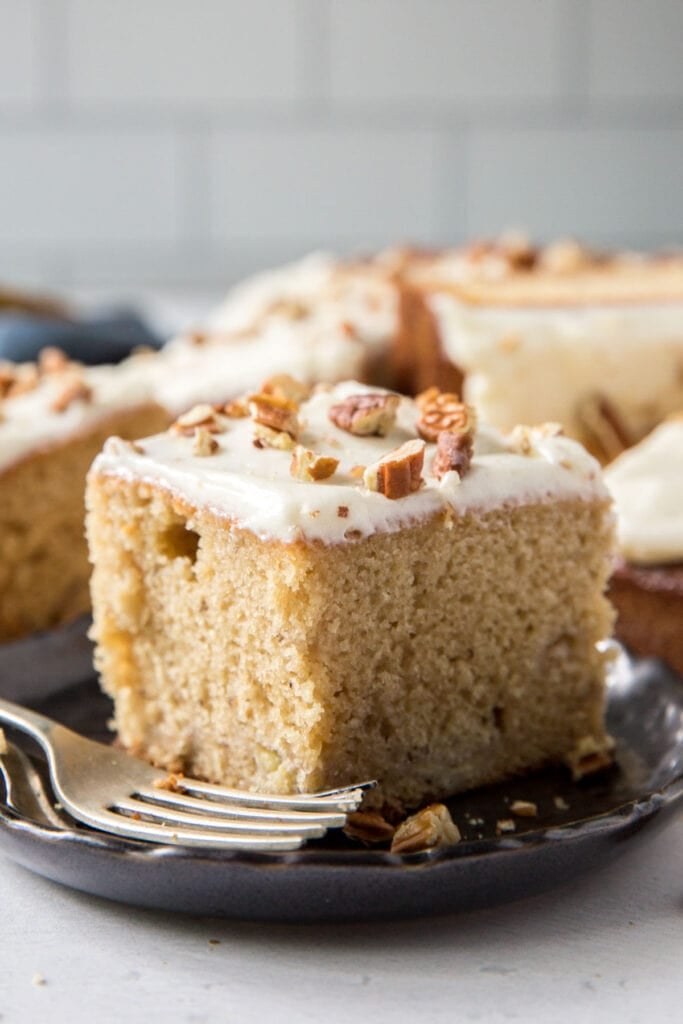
(524, 808)
(399, 473)
(282, 385)
(203, 415)
(589, 756)
(430, 827)
(204, 443)
(308, 465)
(52, 360)
(444, 411)
(453, 453)
(365, 415)
(368, 827)
(75, 391)
(275, 413)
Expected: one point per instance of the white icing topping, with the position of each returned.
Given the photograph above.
(535, 364)
(28, 422)
(647, 485)
(254, 487)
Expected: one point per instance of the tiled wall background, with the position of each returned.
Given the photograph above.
(185, 142)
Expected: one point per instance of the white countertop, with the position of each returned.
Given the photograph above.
(609, 947)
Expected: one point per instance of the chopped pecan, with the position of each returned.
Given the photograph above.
(505, 825)
(444, 411)
(7, 378)
(590, 756)
(278, 414)
(369, 827)
(399, 473)
(267, 437)
(308, 465)
(237, 409)
(524, 808)
(203, 415)
(25, 378)
(365, 414)
(564, 257)
(290, 309)
(52, 360)
(430, 827)
(284, 386)
(453, 454)
(204, 443)
(75, 390)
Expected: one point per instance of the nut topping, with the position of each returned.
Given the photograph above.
(444, 411)
(237, 409)
(368, 827)
(203, 415)
(399, 473)
(430, 827)
(453, 454)
(276, 413)
(204, 443)
(589, 756)
(75, 391)
(524, 808)
(52, 360)
(365, 415)
(308, 465)
(282, 385)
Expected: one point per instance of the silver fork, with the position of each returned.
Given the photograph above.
(114, 792)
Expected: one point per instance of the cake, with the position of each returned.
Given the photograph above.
(293, 593)
(647, 585)
(54, 417)
(592, 341)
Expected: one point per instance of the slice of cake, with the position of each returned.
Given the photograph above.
(592, 341)
(54, 417)
(647, 585)
(293, 593)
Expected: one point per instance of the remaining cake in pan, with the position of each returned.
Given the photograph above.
(647, 585)
(292, 593)
(54, 418)
(594, 342)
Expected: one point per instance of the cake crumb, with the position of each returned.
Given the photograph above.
(171, 782)
(560, 803)
(38, 980)
(524, 808)
(505, 825)
(429, 828)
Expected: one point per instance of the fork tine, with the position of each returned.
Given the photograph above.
(346, 798)
(129, 828)
(218, 809)
(153, 812)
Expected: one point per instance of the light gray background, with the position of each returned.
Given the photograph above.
(185, 142)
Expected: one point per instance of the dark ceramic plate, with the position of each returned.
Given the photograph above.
(43, 664)
(579, 827)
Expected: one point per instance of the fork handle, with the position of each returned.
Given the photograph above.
(37, 726)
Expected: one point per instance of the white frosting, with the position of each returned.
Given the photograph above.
(28, 423)
(227, 365)
(535, 364)
(254, 487)
(647, 485)
(249, 301)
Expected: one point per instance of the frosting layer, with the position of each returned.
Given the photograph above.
(647, 485)
(254, 487)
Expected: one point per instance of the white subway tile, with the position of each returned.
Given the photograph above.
(184, 51)
(445, 51)
(601, 184)
(69, 187)
(18, 58)
(361, 185)
(636, 49)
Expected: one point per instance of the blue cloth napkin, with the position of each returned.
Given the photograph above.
(108, 338)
